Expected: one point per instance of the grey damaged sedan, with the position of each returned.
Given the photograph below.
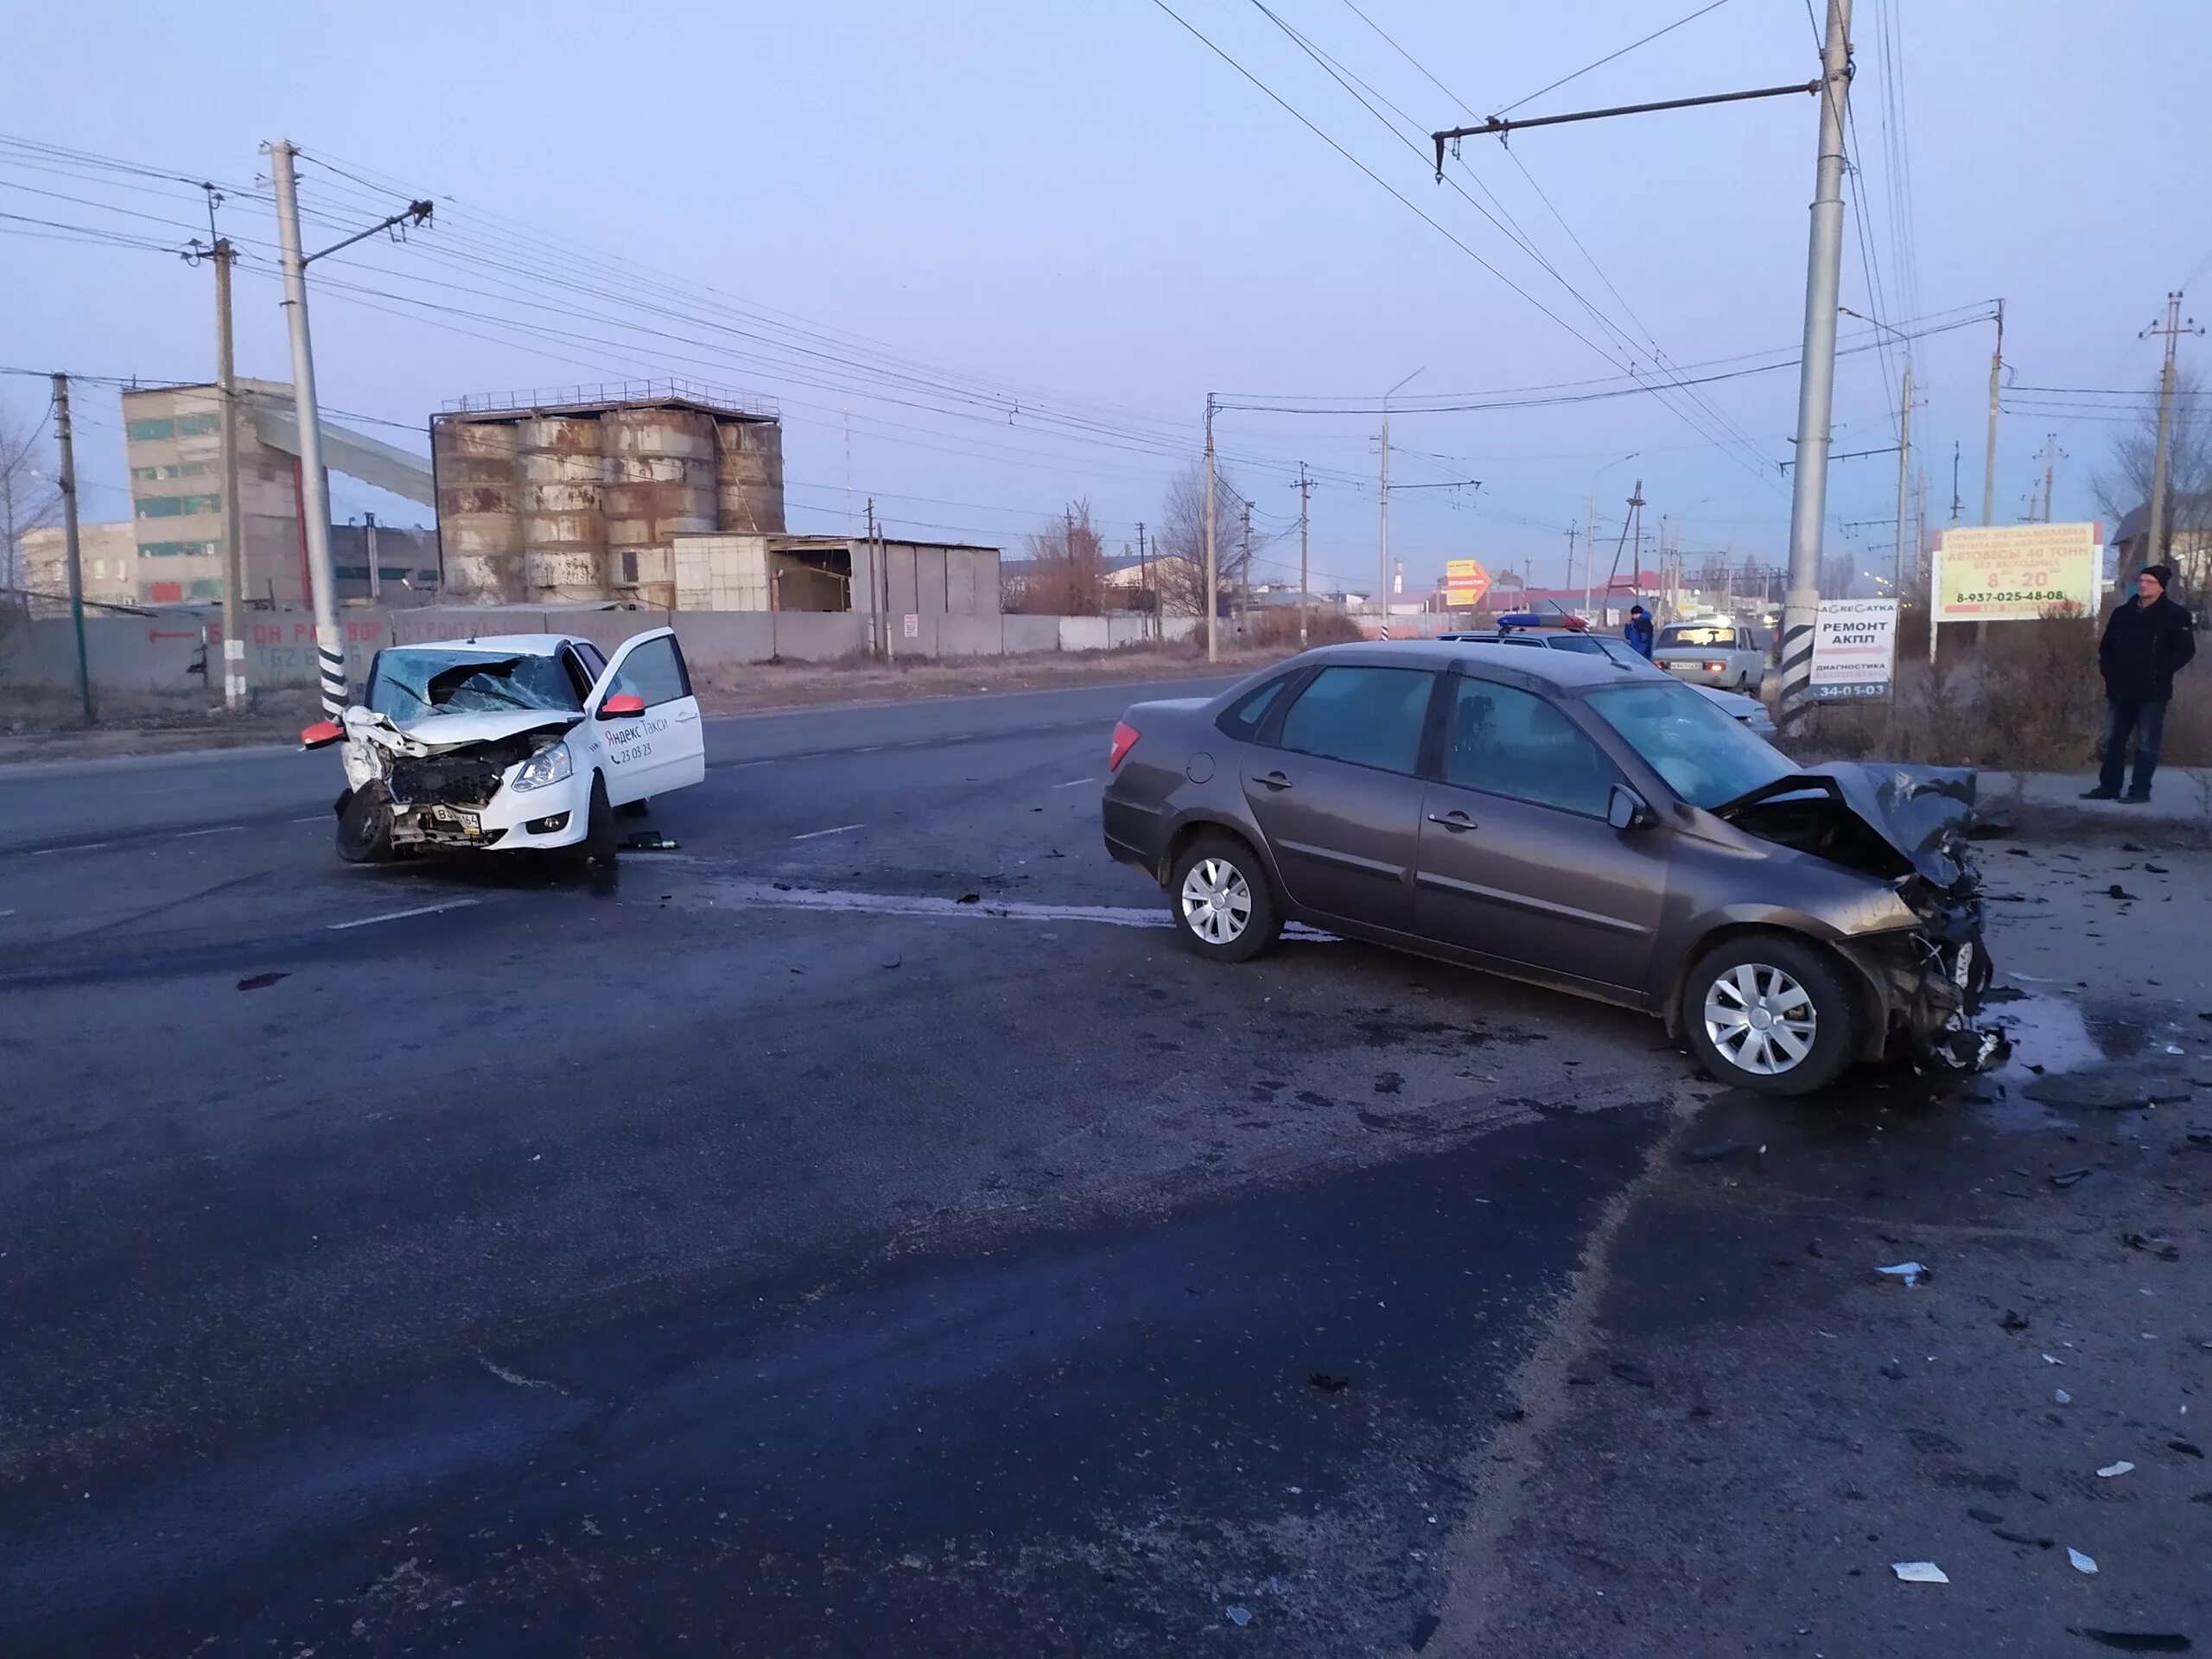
(1561, 819)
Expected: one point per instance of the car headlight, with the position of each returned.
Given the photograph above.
(549, 766)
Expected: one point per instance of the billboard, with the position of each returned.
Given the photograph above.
(1854, 650)
(1465, 582)
(2017, 573)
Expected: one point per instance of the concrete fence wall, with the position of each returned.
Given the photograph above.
(173, 654)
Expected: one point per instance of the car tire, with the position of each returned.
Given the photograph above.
(364, 825)
(1800, 990)
(598, 845)
(1224, 907)
(636, 808)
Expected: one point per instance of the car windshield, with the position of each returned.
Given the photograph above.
(1696, 635)
(1706, 757)
(413, 683)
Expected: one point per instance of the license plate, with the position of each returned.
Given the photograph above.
(1682, 668)
(466, 821)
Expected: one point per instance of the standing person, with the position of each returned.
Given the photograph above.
(1638, 632)
(2146, 642)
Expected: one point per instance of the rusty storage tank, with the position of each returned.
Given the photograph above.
(660, 482)
(479, 510)
(750, 488)
(563, 507)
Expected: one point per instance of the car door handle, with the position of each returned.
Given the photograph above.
(688, 714)
(1277, 781)
(1455, 822)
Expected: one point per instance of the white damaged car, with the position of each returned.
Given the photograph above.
(514, 742)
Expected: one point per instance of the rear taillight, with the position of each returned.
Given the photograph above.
(1125, 739)
(1716, 668)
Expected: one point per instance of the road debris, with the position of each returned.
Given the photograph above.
(649, 840)
(2111, 1470)
(260, 981)
(2138, 1641)
(1239, 1616)
(2012, 1321)
(2082, 1563)
(2061, 1396)
(2187, 1448)
(1906, 1273)
(2119, 892)
(1327, 1383)
(2069, 1177)
(1919, 1572)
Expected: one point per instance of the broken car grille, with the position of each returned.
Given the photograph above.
(445, 780)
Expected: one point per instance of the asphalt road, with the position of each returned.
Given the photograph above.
(766, 1251)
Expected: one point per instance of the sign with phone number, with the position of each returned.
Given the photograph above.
(2017, 573)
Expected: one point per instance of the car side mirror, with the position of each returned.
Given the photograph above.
(322, 734)
(623, 705)
(1626, 809)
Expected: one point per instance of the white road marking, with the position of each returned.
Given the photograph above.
(902, 903)
(870, 749)
(312, 817)
(219, 830)
(401, 915)
(817, 835)
(517, 1377)
(81, 847)
(1075, 783)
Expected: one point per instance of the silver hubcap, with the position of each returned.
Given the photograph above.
(1760, 1019)
(1217, 901)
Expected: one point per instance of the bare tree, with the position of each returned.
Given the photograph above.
(1180, 572)
(29, 500)
(2124, 485)
(1064, 574)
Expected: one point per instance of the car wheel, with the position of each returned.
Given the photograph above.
(636, 808)
(598, 845)
(1224, 908)
(1768, 1012)
(364, 825)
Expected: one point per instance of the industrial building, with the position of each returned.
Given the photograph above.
(576, 495)
(170, 552)
(835, 573)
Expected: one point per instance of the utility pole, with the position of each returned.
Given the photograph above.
(1905, 467)
(1213, 630)
(2050, 470)
(1245, 577)
(1305, 485)
(314, 483)
(369, 537)
(1383, 529)
(2173, 330)
(1571, 532)
(226, 381)
(1144, 584)
(1954, 480)
(67, 442)
(1989, 454)
(1816, 378)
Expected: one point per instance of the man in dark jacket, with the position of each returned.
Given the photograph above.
(2147, 641)
(1638, 631)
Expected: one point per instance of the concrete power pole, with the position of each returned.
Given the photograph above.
(66, 440)
(1383, 529)
(1989, 454)
(1144, 584)
(1905, 472)
(2173, 330)
(1305, 485)
(1244, 575)
(2049, 471)
(1816, 380)
(1213, 641)
(314, 485)
(369, 544)
(226, 381)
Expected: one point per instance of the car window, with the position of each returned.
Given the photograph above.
(594, 658)
(1707, 757)
(1371, 716)
(1244, 718)
(1581, 644)
(1507, 741)
(1519, 639)
(580, 674)
(1694, 635)
(654, 671)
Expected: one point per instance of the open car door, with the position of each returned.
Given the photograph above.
(661, 748)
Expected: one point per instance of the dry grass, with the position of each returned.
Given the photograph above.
(2028, 700)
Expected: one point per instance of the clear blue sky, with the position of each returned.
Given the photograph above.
(1089, 220)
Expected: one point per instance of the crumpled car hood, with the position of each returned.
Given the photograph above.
(435, 733)
(1921, 813)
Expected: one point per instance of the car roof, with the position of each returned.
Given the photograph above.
(1564, 669)
(496, 644)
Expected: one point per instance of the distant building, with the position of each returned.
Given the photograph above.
(2189, 543)
(109, 555)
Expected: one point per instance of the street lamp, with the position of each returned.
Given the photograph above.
(1382, 593)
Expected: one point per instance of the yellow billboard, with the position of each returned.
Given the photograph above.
(2017, 573)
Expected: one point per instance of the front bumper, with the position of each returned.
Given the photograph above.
(1927, 986)
(503, 823)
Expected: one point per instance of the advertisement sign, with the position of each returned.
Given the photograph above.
(1854, 650)
(2017, 573)
(1465, 582)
